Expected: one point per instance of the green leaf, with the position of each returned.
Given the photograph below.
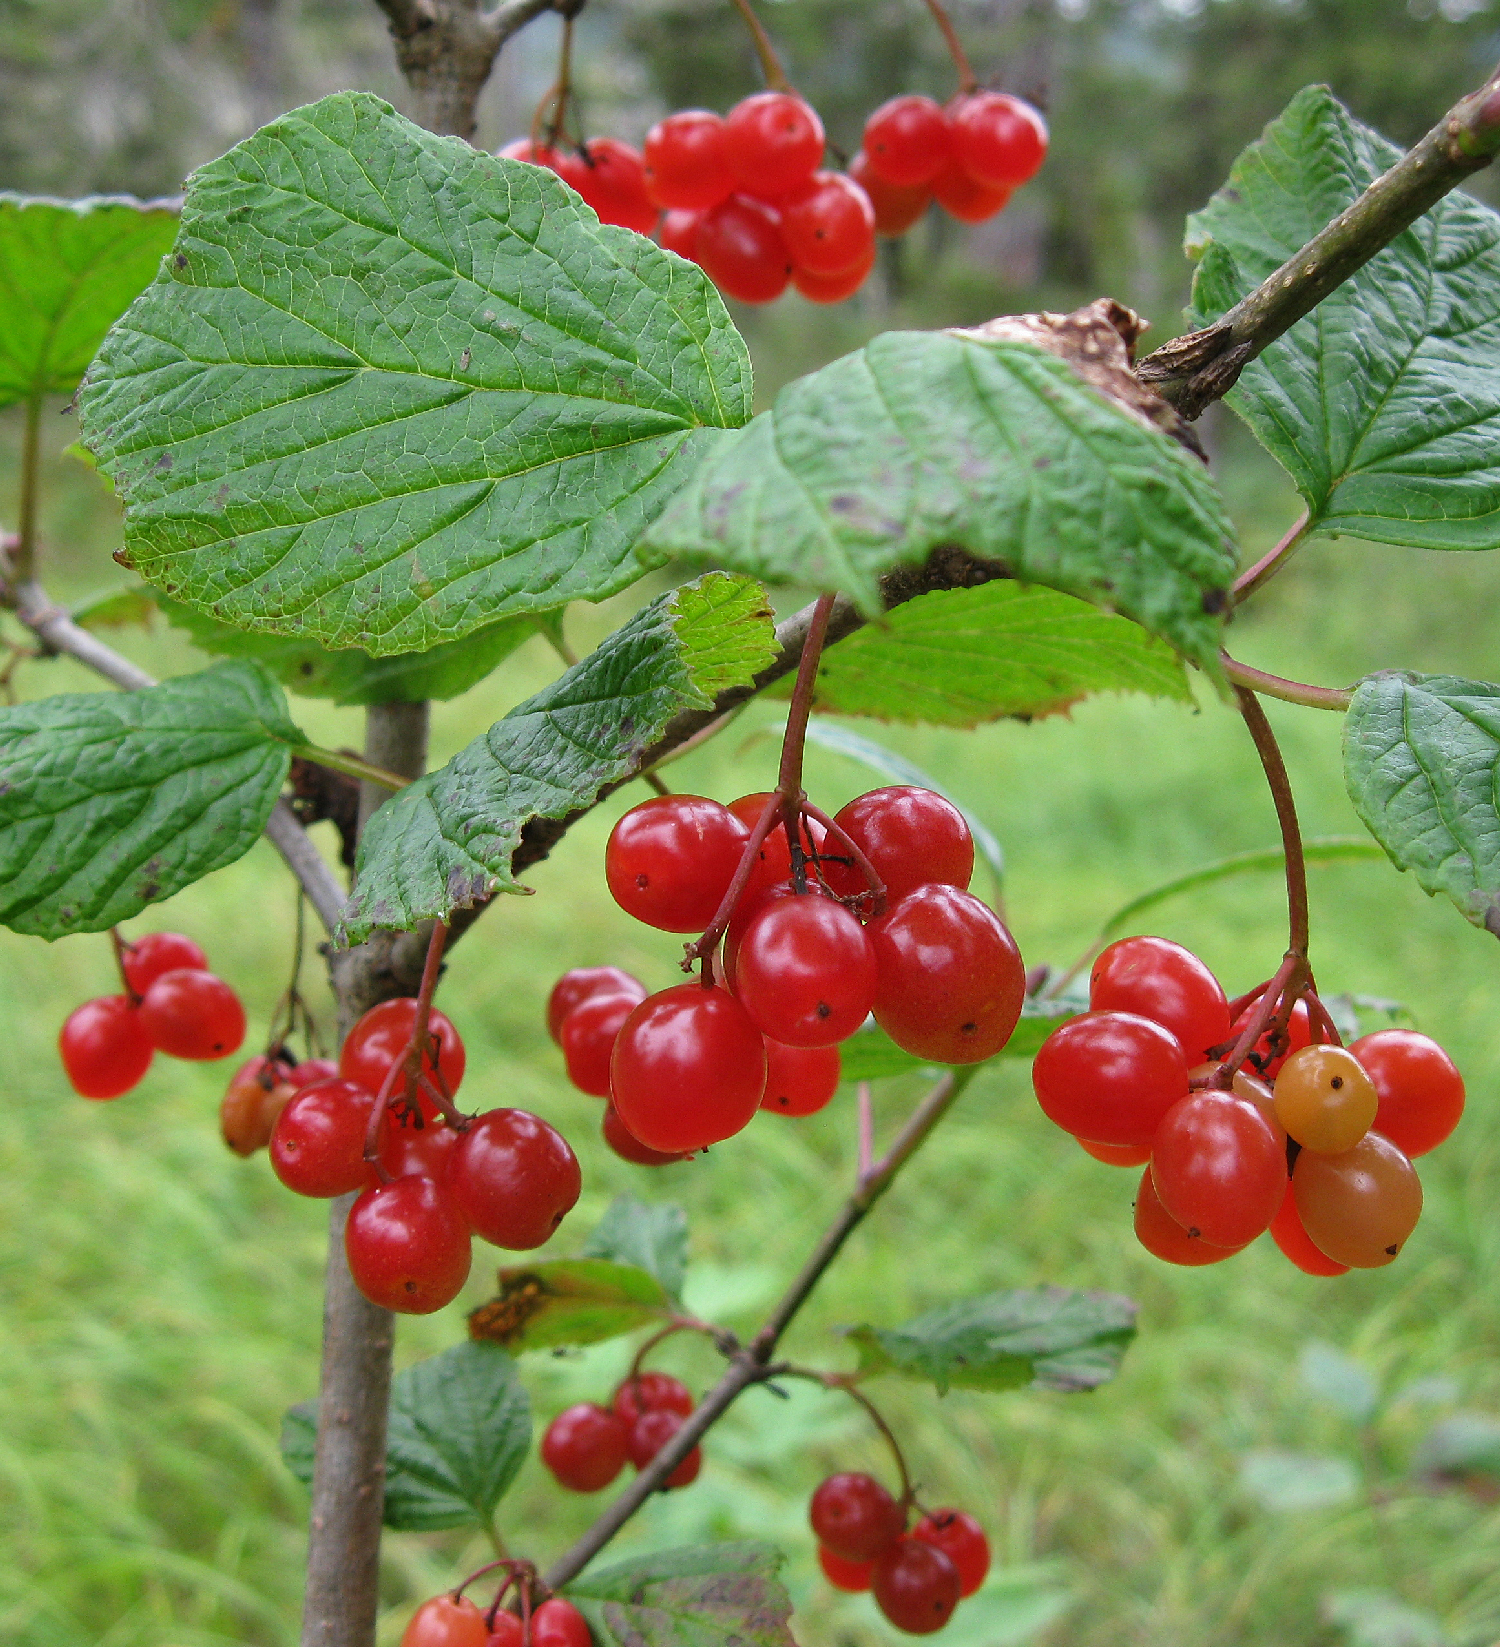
(924, 439)
(1283, 1482)
(1339, 1379)
(960, 657)
(388, 388)
(1463, 1445)
(715, 1595)
(870, 1053)
(1383, 404)
(446, 841)
(68, 269)
(569, 1301)
(110, 801)
(116, 609)
(459, 1430)
(352, 676)
(1421, 763)
(653, 1238)
(1055, 1338)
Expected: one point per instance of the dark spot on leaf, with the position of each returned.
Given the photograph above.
(163, 463)
(1214, 601)
(844, 504)
(181, 261)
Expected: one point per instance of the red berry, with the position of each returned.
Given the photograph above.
(318, 1144)
(818, 288)
(144, 961)
(407, 1246)
(1219, 1168)
(774, 863)
(908, 140)
(670, 860)
(896, 210)
(1162, 981)
(312, 1069)
(382, 1036)
(828, 225)
(650, 1433)
(104, 1046)
(1298, 1035)
(679, 233)
(585, 1447)
(773, 141)
(916, 1586)
(912, 838)
(1109, 1077)
(951, 978)
(506, 1631)
(686, 161)
(1421, 1092)
(805, 972)
(961, 197)
(854, 1516)
(799, 1080)
(999, 140)
(1117, 1155)
(535, 154)
(412, 1144)
(588, 1039)
(650, 1392)
(689, 1069)
(189, 1013)
(257, 1093)
(513, 1177)
(1296, 1244)
(962, 1540)
(630, 1148)
(612, 178)
(1163, 1237)
(740, 248)
(558, 1623)
(446, 1621)
(575, 987)
(852, 1576)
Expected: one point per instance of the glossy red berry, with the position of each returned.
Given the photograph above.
(1219, 1168)
(800, 1080)
(912, 838)
(1109, 1077)
(817, 288)
(773, 142)
(678, 232)
(916, 1586)
(670, 860)
(534, 154)
(1163, 1237)
(650, 1392)
(513, 1177)
(382, 1036)
(687, 166)
(145, 959)
(312, 1069)
(961, 197)
(773, 866)
(612, 178)
(650, 1433)
(689, 1069)
(318, 1144)
(1117, 1155)
(951, 980)
(585, 1447)
(829, 225)
(1296, 1244)
(740, 248)
(189, 1013)
(588, 1039)
(1298, 1035)
(576, 987)
(507, 1631)
(413, 1144)
(407, 1246)
(558, 1623)
(104, 1047)
(853, 1576)
(1420, 1091)
(999, 140)
(961, 1539)
(628, 1147)
(908, 140)
(896, 210)
(805, 972)
(447, 1622)
(1157, 979)
(854, 1516)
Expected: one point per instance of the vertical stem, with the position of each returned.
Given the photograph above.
(770, 63)
(1286, 815)
(1270, 564)
(23, 561)
(967, 80)
(794, 739)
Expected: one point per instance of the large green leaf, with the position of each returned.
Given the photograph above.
(569, 1301)
(110, 801)
(68, 269)
(1384, 403)
(651, 1235)
(1053, 1337)
(715, 1595)
(959, 657)
(924, 439)
(1422, 765)
(446, 841)
(389, 389)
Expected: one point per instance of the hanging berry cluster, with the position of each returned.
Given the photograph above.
(587, 1445)
(452, 1620)
(1164, 1071)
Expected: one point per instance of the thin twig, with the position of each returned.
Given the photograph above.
(1286, 815)
(1270, 564)
(967, 80)
(770, 63)
(1337, 698)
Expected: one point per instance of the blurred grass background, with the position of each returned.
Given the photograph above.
(162, 1298)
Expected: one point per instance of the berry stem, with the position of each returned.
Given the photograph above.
(1240, 674)
(845, 1382)
(967, 80)
(120, 946)
(770, 63)
(794, 739)
(1281, 992)
(558, 93)
(861, 862)
(715, 929)
(338, 760)
(1270, 564)
(1324, 1028)
(1286, 815)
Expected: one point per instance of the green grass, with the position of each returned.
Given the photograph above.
(162, 1297)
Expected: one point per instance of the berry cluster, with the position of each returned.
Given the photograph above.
(172, 1003)
(259, 1090)
(824, 921)
(586, 1446)
(1321, 1158)
(454, 1621)
(916, 1577)
(429, 1177)
(744, 196)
